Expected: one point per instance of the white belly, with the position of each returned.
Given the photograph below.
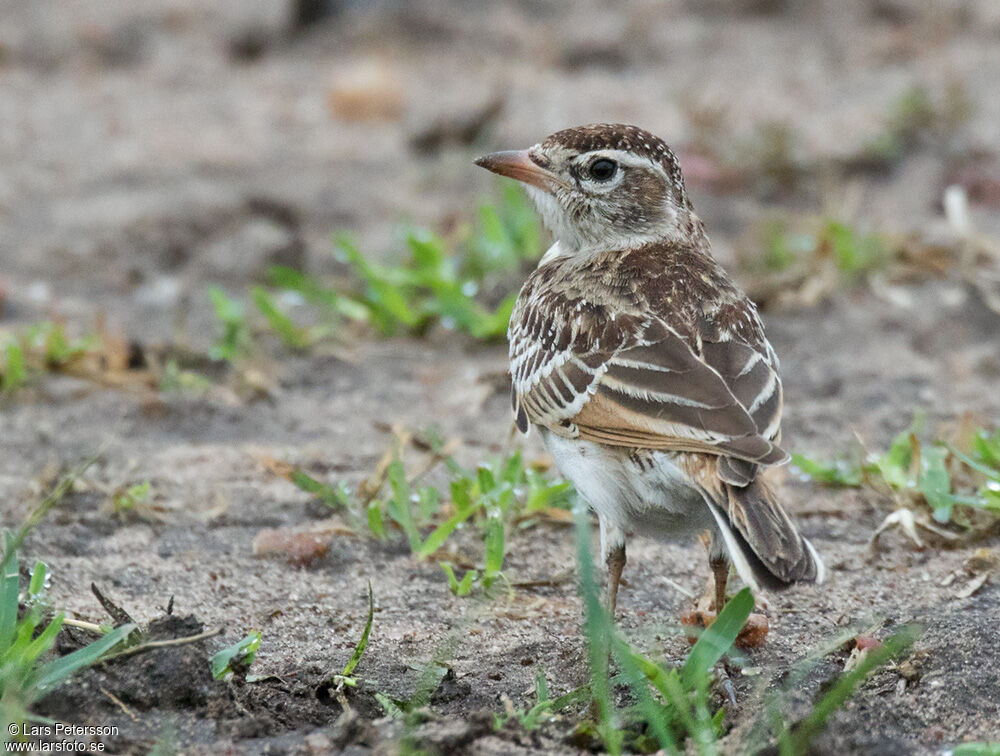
(653, 498)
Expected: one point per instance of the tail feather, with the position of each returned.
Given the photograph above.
(763, 542)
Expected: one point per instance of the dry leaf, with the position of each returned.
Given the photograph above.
(299, 547)
(753, 635)
(973, 585)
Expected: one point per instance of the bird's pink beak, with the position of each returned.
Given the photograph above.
(517, 164)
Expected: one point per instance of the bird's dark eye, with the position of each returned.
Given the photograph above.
(603, 169)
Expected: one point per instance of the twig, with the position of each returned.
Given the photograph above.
(509, 440)
(120, 704)
(550, 582)
(678, 587)
(80, 624)
(439, 456)
(119, 615)
(164, 643)
(371, 485)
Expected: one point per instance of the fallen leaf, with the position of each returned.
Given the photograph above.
(973, 585)
(299, 546)
(865, 642)
(753, 635)
(948, 579)
(280, 468)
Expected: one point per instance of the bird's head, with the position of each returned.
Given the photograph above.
(603, 186)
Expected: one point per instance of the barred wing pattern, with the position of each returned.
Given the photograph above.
(589, 371)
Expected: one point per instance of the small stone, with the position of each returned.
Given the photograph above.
(317, 744)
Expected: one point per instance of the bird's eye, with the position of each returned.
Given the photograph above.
(603, 169)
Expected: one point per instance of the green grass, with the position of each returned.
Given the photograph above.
(295, 337)
(30, 352)
(957, 480)
(466, 283)
(39, 348)
(235, 338)
(671, 707)
(668, 704)
(176, 380)
(975, 749)
(643, 702)
(237, 658)
(415, 708)
(810, 245)
(337, 497)
(346, 677)
(27, 671)
(794, 738)
(13, 372)
(497, 498)
(125, 502)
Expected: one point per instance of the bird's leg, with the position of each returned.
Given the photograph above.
(616, 563)
(755, 629)
(720, 570)
(714, 597)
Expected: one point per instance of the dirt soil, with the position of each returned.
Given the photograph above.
(153, 147)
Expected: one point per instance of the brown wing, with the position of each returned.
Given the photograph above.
(627, 381)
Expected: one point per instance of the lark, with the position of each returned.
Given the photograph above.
(644, 368)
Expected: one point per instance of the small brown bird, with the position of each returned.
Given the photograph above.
(642, 365)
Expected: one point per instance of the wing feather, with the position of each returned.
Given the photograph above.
(627, 378)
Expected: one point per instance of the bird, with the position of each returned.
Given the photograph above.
(643, 366)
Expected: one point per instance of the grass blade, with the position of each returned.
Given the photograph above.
(292, 335)
(57, 671)
(834, 474)
(359, 649)
(399, 504)
(801, 735)
(44, 641)
(14, 374)
(9, 588)
(240, 654)
(597, 629)
(718, 637)
(657, 717)
(989, 472)
(975, 749)
(440, 534)
(494, 544)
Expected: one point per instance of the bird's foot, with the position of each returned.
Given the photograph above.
(753, 634)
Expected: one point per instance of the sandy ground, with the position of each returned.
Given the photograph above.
(136, 151)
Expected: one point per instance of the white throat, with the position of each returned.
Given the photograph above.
(589, 235)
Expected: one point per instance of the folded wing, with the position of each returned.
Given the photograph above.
(635, 382)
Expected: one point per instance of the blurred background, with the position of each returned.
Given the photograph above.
(244, 252)
(151, 147)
